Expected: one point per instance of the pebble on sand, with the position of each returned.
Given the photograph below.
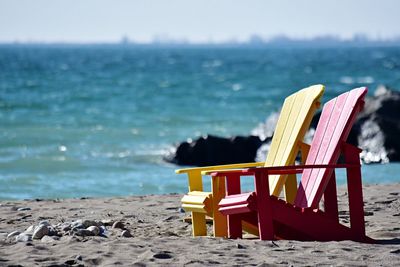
(14, 233)
(30, 230)
(126, 233)
(44, 222)
(119, 224)
(23, 237)
(94, 229)
(23, 209)
(88, 223)
(83, 232)
(107, 222)
(40, 231)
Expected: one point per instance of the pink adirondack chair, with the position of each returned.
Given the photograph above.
(304, 220)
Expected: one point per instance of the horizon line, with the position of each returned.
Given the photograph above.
(251, 39)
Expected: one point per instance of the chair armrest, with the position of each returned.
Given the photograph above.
(220, 167)
(282, 169)
(195, 178)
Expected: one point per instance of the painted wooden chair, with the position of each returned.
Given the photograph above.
(294, 120)
(304, 220)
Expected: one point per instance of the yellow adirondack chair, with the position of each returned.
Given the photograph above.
(294, 120)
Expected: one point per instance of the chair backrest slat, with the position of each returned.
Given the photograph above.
(294, 120)
(336, 121)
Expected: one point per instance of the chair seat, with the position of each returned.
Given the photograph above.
(197, 201)
(239, 203)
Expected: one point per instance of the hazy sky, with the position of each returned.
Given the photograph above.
(196, 21)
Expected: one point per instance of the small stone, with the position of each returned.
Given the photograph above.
(240, 246)
(40, 231)
(23, 209)
(87, 223)
(13, 234)
(118, 224)
(103, 230)
(83, 232)
(395, 251)
(78, 258)
(107, 222)
(44, 222)
(94, 229)
(181, 210)
(77, 226)
(70, 262)
(52, 231)
(126, 233)
(30, 229)
(23, 237)
(65, 227)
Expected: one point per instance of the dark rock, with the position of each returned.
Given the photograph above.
(240, 246)
(107, 222)
(118, 224)
(214, 150)
(82, 232)
(126, 233)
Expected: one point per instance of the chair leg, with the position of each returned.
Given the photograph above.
(199, 224)
(290, 188)
(265, 224)
(234, 221)
(354, 187)
(220, 221)
(330, 199)
(356, 204)
(199, 227)
(235, 226)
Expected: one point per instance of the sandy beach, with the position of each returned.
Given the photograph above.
(159, 236)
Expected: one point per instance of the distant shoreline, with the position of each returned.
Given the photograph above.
(253, 44)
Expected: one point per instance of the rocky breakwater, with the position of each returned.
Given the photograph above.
(214, 150)
(376, 131)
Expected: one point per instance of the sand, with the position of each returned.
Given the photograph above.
(160, 237)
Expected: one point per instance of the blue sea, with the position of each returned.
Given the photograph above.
(96, 120)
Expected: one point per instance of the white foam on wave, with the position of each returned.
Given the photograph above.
(352, 80)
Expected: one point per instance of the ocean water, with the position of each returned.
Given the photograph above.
(96, 120)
